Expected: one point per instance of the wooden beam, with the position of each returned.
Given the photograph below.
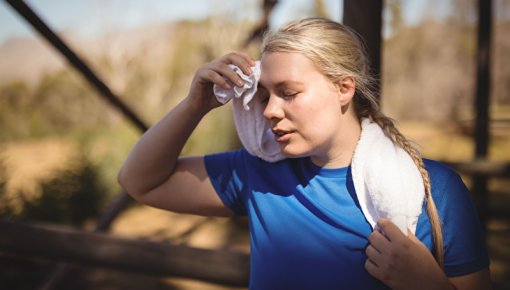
(102, 250)
(482, 167)
(106, 218)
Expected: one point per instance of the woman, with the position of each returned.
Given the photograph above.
(307, 228)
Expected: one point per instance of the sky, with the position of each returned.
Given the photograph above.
(93, 17)
(90, 17)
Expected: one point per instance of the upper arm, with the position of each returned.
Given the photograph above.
(465, 246)
(187, 190)
(465, 251)
(475, 281)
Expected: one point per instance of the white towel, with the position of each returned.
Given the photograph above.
(387, 182)
(252, 128)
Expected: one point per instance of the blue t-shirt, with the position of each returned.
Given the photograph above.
(307, 230)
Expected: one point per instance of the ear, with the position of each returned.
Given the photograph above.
(346, 87)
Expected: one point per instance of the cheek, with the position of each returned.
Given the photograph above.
(318, 124)
(319, 119)
(322, 107)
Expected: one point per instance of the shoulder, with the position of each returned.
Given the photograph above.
(438, 170)
(229, 158)
(450, 193)
(441, 176)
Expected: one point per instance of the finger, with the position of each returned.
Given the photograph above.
(225, 72)
(243, 61)
(372, 268)
(378, 241)
(246, 58)
(210, 75)
(390, 230)
(373, 254)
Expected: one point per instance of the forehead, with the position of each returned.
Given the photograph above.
(278, 67)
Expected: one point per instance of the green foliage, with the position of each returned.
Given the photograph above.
(14, 101)
(4, 211)
(107, 148)
(66, 102)
(189, 51)
(72, 197)
(59, 103)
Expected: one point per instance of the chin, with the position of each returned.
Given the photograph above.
(294, 152)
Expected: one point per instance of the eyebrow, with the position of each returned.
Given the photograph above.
(281, 84)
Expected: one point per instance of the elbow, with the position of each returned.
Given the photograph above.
(121, 179)
(126, 183)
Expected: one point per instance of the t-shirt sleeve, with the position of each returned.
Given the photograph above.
(463, 235)
(227, 173)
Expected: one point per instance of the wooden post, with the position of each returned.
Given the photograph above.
(365, 16)
(482, 101)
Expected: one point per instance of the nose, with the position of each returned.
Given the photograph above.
(273, 109)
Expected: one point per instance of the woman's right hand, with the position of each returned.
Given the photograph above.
(216, 72)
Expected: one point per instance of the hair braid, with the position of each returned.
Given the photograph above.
(367, 106)
(388, 126)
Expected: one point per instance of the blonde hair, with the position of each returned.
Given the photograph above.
(337, 51)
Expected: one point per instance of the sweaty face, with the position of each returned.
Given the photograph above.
(302, 105)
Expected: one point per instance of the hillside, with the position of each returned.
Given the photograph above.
(26, 59)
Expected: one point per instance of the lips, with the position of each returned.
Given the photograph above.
(281, 135)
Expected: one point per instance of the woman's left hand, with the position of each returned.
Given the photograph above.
(402, 262)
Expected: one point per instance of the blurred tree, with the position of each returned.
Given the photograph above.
(59, 104)
(4, 210)
(14, 101)
(464, 12)
(258, 31)
(63, 102)
(394, 8)
(71, 197)
(320, 9)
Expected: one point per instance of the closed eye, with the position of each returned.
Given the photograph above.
(289, 95)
